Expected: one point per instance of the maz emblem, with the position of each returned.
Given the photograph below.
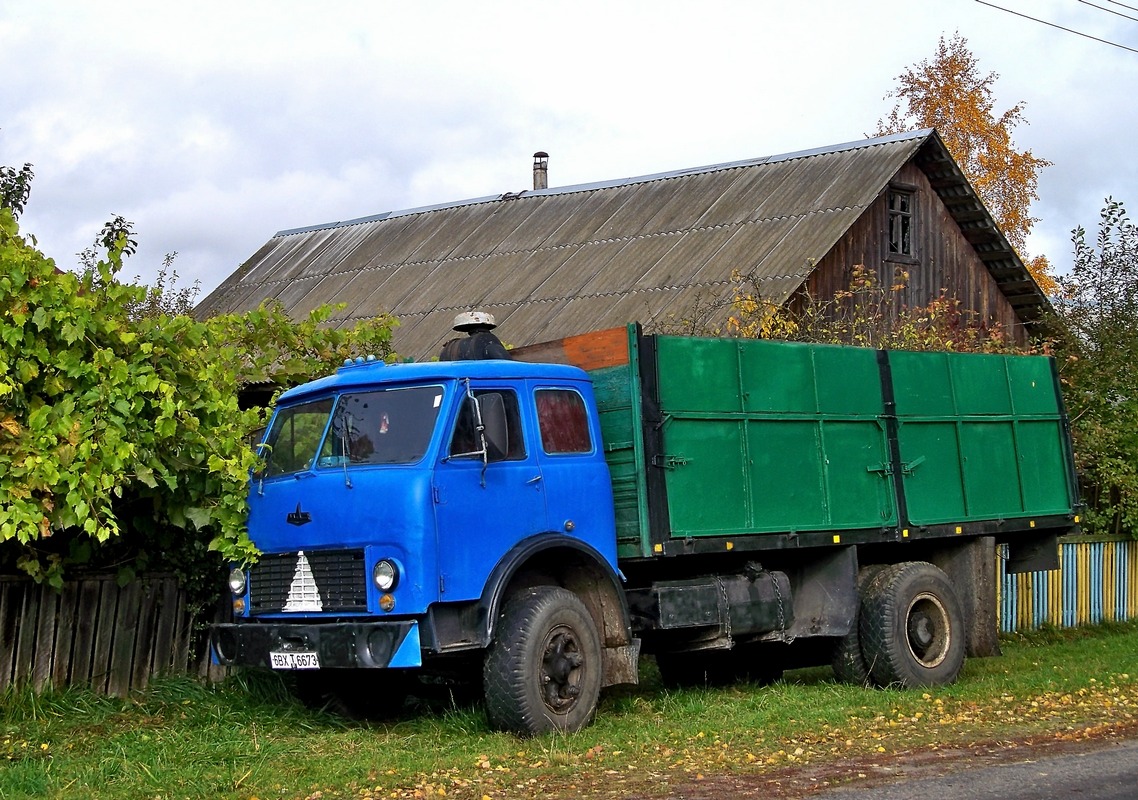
(298, 517)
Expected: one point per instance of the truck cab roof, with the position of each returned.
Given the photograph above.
(361, 373)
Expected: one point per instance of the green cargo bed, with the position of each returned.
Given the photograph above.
(733, 444)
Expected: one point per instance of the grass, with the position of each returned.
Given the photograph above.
(248, 739)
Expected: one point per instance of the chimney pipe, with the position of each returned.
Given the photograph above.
(540, 170)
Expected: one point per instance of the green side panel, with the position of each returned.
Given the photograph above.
(848, 381)
(1032, 386)
(698, 375)
(707, 494)
(613, 387)
(1045, 489)
(789, 490)
(772, 380)
(922, 384)
(990, 470)
(764, 437)
(934, 481)
(981, 437)
(980, 383)
(859, 494)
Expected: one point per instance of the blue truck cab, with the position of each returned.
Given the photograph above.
(402, 509)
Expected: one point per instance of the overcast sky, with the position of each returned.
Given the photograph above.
(214, 125)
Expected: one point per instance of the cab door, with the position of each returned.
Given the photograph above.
(482, 510)
(578, 489)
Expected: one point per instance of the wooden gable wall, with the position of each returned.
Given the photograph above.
(944, 259)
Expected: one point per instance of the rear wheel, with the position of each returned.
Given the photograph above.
(543, 668)
(911, 628)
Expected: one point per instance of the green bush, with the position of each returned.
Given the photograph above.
(121, 439)
(1098, 310)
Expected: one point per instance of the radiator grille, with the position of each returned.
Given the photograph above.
(337, 576)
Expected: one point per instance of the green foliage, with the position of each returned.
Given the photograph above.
(1098, 306)
(160, 296)
(121, 437)
(15, 188)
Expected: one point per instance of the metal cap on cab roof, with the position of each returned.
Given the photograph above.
(475, 321)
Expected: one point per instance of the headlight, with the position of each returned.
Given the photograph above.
(385, 575)
(237, 581)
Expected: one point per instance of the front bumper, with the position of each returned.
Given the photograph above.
(338, 644)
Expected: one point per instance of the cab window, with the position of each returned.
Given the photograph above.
(465, 442)
(563, 421)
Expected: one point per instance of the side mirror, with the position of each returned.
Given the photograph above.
(495, 431)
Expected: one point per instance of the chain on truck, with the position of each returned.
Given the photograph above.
(533, 521)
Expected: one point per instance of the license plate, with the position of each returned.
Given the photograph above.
(292, 659)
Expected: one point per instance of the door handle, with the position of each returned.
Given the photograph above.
(534, 480)
(907, 469)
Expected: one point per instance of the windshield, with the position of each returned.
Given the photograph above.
(391, 426)
(388, 427)
(293, 438)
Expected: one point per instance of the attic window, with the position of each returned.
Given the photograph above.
(902, 204)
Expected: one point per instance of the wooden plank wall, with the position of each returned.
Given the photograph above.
(944, 260)
(92, 633)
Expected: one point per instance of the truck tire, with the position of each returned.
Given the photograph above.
(848, 660)
(543, 668)
(911, 627)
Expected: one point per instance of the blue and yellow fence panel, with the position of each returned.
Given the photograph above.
(1097, 581)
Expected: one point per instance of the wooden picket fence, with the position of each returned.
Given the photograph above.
(93, 633)
(1097, 581)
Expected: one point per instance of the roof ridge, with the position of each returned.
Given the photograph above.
(922, 134)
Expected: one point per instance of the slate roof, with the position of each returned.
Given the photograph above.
(562, 261)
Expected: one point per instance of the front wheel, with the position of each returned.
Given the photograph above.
(911, 627)
(543, 668)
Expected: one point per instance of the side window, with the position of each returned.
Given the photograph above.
(464, 441)
(563, 422)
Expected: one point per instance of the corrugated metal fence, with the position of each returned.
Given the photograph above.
(92, 633)
(1097, 581)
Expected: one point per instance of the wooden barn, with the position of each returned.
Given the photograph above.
(554, 262)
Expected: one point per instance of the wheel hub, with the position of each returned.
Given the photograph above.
(561, 665)
(928, 630)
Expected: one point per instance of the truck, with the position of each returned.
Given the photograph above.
(535, 525)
